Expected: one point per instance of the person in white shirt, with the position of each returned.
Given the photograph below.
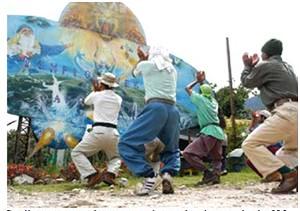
(103, 136)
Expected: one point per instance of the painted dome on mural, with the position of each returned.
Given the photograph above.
(109, 19)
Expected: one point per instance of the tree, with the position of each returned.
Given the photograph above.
(241, 94)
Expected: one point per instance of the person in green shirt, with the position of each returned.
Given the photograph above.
(209, 143)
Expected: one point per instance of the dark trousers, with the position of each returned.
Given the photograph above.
(224, 161)
(202, 147)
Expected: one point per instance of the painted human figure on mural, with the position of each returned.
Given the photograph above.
(25, 48)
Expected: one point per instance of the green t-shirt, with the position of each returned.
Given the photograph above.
(207, 113)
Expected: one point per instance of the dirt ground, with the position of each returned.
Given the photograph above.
(217, 196)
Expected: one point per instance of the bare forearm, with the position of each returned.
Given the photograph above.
(189, 87)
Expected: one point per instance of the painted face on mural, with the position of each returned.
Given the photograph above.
(27, 40)
(23, 44)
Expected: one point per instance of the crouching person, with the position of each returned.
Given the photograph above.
(278, 85)
(103, 136)
(209, 143)
(159, 118)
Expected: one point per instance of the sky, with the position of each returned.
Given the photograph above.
(193, 30)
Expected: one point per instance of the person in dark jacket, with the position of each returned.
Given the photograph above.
(278, 87)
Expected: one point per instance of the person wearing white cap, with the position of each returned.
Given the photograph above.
(289, 157)
(104, 135)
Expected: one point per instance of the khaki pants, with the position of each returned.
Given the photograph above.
(100, 138)
(152, 153)
(289, 157)
(282, 125)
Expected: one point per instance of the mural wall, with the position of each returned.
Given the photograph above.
(50, 66)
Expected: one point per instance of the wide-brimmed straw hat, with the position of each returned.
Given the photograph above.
(108, 79)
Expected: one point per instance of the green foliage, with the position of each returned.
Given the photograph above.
(38, 160)
(241, 94)
(241, 126)
(11, 138)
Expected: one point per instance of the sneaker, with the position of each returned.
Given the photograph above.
(93, 179)
(148, 186)
(108, 178)
(167, 186)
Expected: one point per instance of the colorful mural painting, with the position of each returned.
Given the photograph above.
(50, 66)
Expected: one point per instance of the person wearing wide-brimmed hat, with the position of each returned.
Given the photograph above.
(104, 135)
(278, 87)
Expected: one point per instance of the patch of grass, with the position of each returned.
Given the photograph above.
(242, 178)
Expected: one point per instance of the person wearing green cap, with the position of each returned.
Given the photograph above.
(209, 143)
(278, 86)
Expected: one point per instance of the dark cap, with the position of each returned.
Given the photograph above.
(272, 47)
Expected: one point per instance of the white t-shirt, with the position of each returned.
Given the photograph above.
(107, 105)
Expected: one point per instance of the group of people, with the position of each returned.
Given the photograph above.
(153, 137)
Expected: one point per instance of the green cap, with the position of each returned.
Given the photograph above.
(206, 90)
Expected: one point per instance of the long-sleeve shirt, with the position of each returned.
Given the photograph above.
(274, 78)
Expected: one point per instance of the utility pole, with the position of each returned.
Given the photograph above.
(232, 107)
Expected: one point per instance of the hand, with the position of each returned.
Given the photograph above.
(141, 54)
(255, 114)
(250, 61)
(247, 60)
(200, 75)
(96, 85)
(255, 59)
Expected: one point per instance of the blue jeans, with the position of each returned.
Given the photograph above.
(156, 120)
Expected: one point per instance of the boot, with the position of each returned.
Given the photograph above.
(288, 183)
(209, 177)
(108, 178)
(93, 179)
(273, 177)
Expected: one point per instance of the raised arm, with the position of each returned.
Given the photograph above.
(200, 78)
(189, 87)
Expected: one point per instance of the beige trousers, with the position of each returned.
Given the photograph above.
(99, 139)
(282, 125)
(152, 153)
(289, 157)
